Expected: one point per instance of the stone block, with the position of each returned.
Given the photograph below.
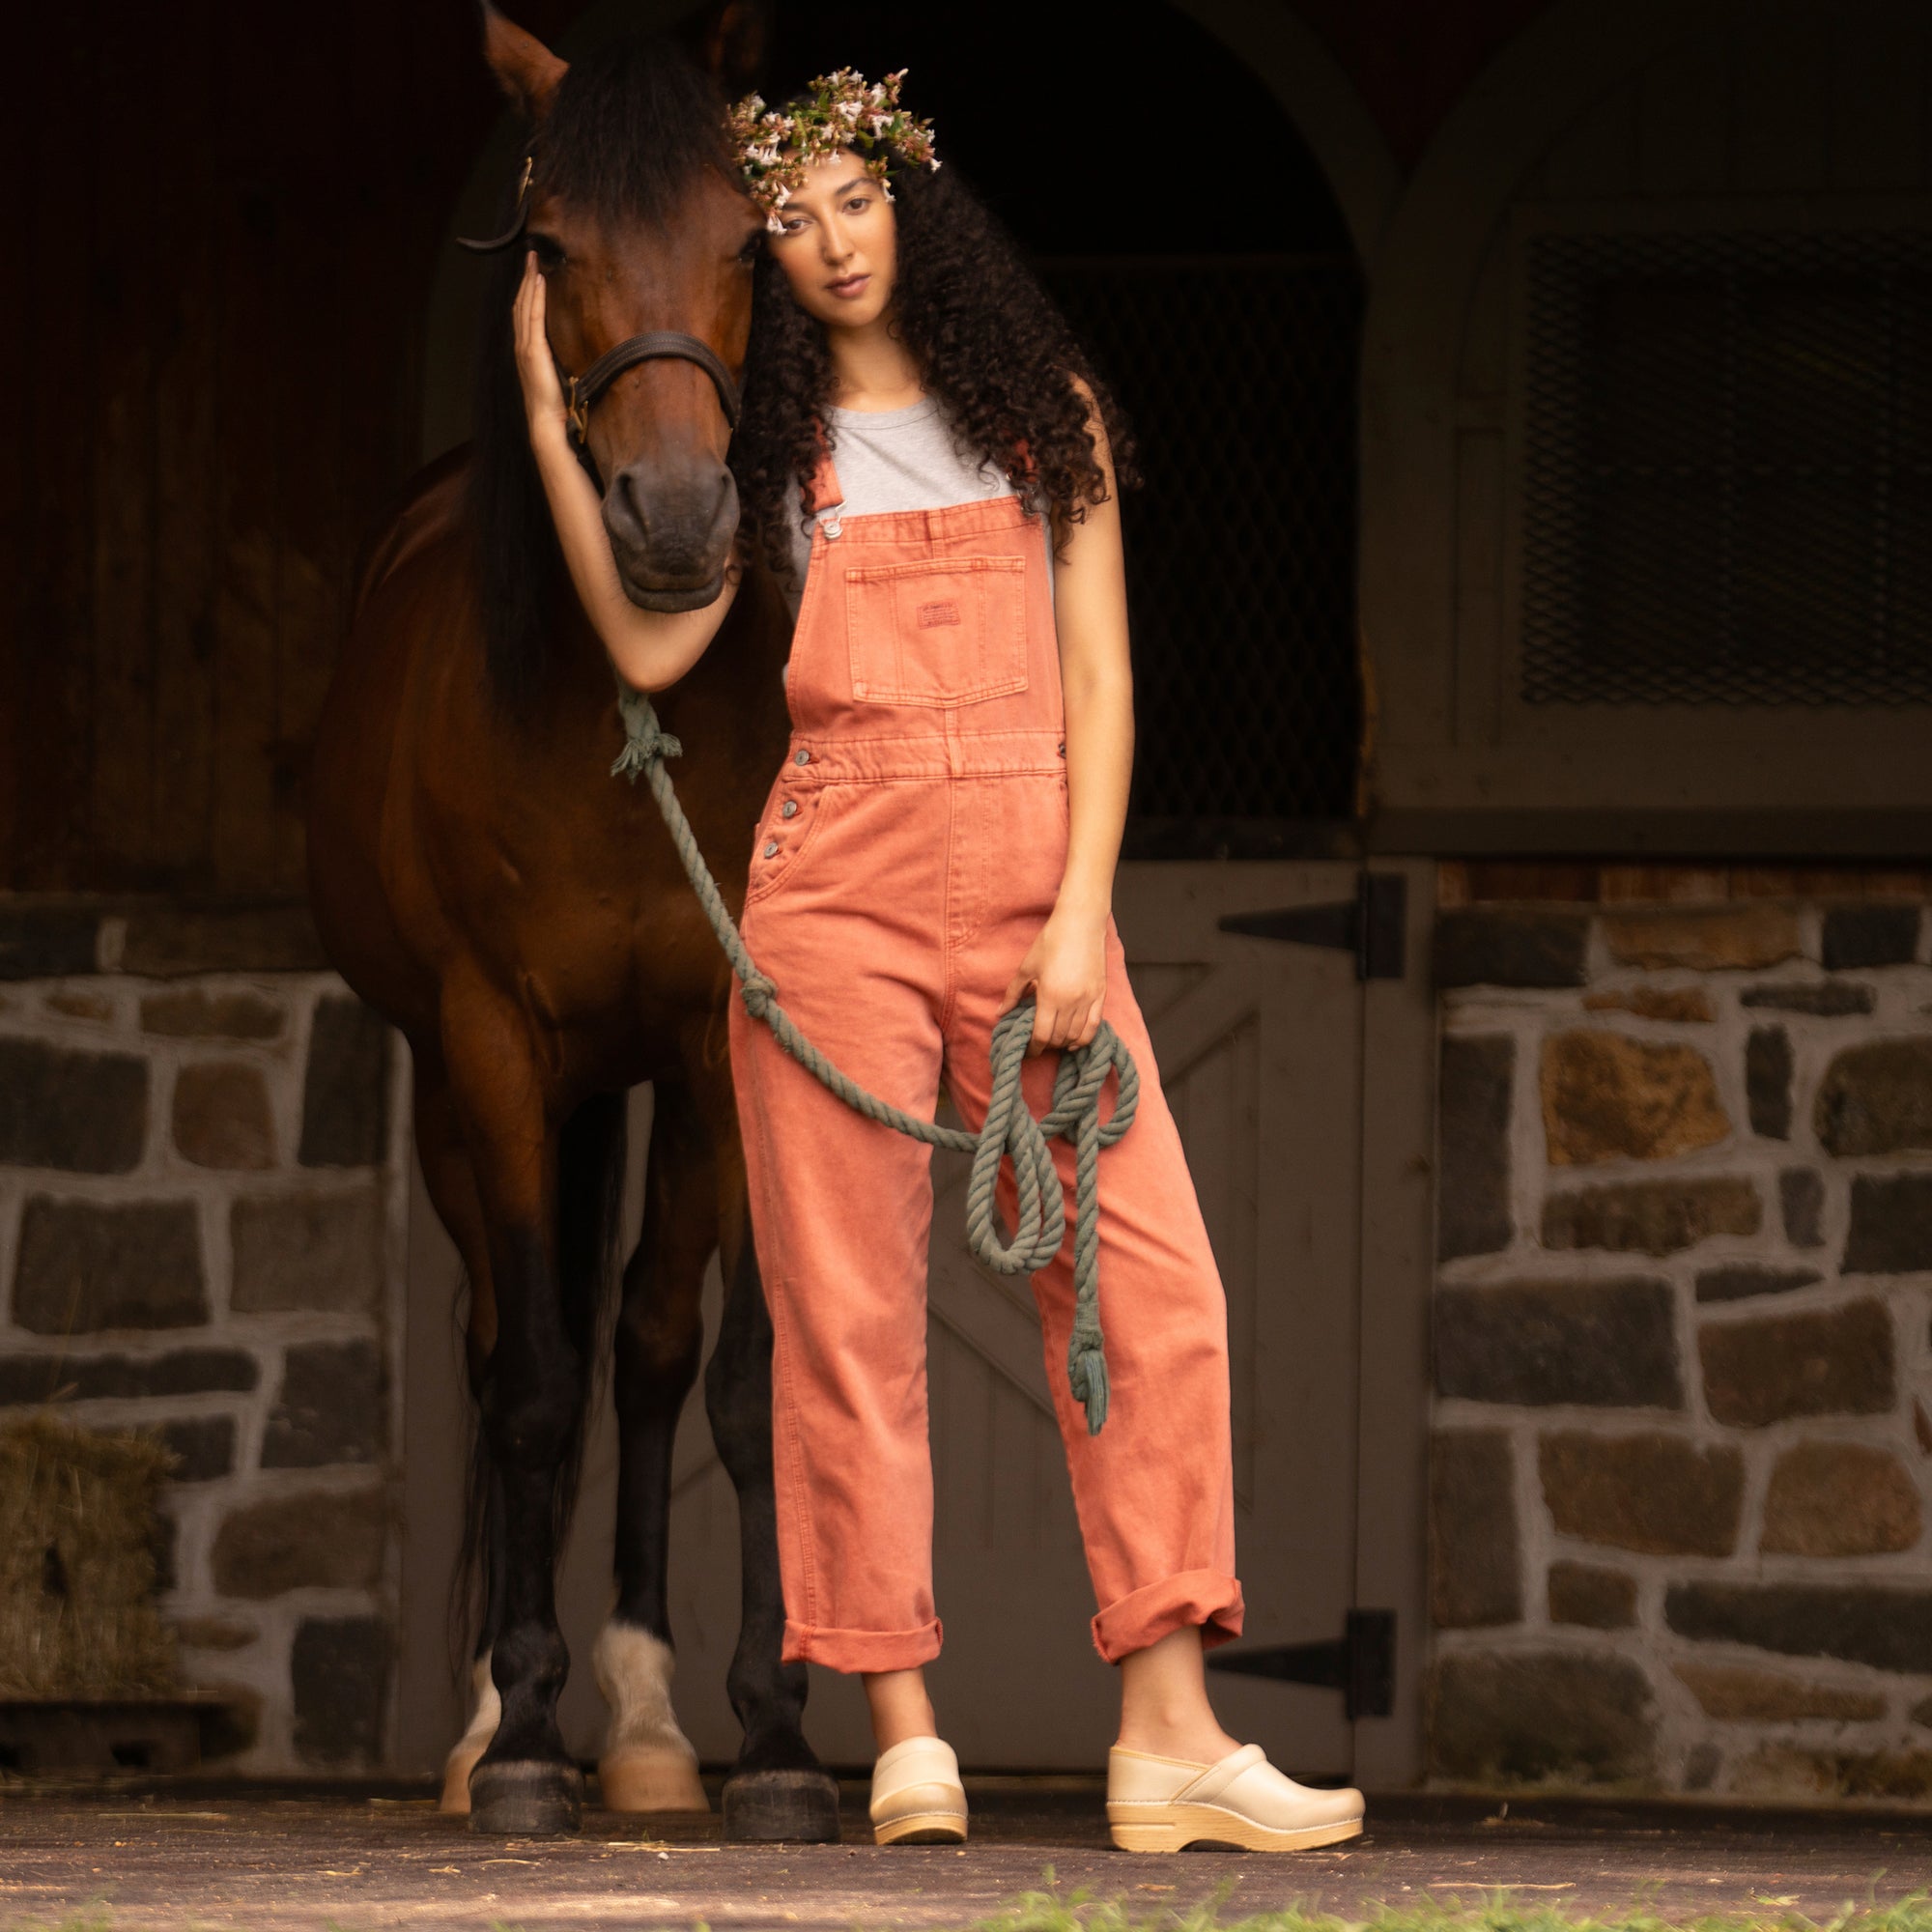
(1495, 946)
(1525, 1717)
(346, 1086)
(192, 1012)
(1607, 1096)
(1658, 1495)
(1606, 1344)
(1724, 938)
(1822, 998)
(317, 1539)
(216, 1633)
(1876, 1097)
(339, 1673)
(1828, 1361)
(50, 941)
(1474, 1573)
(85, 1265)
(1892, 1224)
(1870, 935)
(1651, 1217)
(1653, 1003)
(1800, 1203)
(1807, 1773)
(306, 1251)
(1889, 1630)
(1740, 1281)
(1591, 1595)
(1736, 1695)
(203, 1446)
(1839, 1499)
(1472, 1193)
(26, 1379)
(85, 1112)
(97, 1008)
(333, 1407)
(222, 1117)
(166, 940)
(1768, 1065)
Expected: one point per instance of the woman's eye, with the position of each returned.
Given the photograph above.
(857, 204)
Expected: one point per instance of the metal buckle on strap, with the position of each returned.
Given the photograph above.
(829, 520)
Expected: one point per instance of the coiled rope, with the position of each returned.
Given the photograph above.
(1010, 1129)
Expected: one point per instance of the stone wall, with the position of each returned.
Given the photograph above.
(202, 1202)
(1683, 1421)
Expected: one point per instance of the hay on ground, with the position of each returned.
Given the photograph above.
(78, 1580)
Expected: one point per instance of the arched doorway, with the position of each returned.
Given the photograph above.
(1199, 252)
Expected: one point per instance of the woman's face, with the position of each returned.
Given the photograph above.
(839, 246)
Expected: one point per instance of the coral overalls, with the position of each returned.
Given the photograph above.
(907, 856)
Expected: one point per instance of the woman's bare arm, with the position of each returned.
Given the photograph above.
(650, 649)
(1066, 965)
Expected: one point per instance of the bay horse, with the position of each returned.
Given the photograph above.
(520, 916)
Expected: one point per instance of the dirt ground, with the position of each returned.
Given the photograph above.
(215, 1857)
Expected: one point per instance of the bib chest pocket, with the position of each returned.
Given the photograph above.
(944, 633)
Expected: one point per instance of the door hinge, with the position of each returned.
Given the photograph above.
(1370, 925)
(1361, 1664)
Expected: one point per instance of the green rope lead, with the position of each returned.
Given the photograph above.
(1010, 1129)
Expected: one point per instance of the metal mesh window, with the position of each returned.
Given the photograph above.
(1238, 375)
(1729, 476)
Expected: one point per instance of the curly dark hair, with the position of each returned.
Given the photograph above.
(990, 343)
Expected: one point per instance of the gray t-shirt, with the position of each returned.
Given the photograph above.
(900, 460)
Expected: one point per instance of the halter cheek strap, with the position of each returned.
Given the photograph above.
(581, 392)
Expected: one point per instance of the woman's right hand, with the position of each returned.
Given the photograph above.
(536, 366)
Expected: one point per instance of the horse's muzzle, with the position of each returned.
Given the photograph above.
(671, 537)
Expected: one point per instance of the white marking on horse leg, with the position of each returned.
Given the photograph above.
(475, 1741)
(648, 1764)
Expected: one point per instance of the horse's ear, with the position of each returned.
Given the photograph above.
(728, 40)
(526, 69)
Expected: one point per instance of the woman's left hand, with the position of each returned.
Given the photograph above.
(1066, 968)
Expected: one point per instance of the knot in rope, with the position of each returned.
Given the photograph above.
(1010, 1131)
(645, 742)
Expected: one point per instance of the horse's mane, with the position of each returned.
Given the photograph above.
(632, 125)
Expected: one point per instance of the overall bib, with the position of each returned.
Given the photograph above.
(907, 856)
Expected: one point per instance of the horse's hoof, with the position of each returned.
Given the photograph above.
(637, 1779)
(526, 1800)
(456, 1770)
(768, 1806)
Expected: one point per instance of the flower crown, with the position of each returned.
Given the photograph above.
(839, 110)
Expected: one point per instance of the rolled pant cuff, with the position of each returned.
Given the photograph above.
(1208, 1598)
(851, 1650)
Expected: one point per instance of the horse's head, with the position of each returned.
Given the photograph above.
(638, 224)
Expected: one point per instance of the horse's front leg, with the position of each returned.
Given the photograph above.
(648, 1764)
(533, 1388)
(777, 1789)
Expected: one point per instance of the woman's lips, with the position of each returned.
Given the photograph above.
(852, 285)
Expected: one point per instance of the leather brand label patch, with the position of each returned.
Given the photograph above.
(931, 615)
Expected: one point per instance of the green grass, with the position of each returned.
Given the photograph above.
(1057, 1911)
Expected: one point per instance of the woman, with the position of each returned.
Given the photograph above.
(927, 462)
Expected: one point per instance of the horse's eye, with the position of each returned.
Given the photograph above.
(753, 241)
(549, 251)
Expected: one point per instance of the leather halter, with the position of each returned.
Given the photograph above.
(582, 392)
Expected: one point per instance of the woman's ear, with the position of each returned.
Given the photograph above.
(526, 69)
(729, 39)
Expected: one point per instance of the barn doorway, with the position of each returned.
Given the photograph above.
(1209, 272)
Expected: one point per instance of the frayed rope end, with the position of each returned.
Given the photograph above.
(1087, 1371)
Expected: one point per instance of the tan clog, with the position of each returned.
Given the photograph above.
(1166, 1803)
(917, 1796)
